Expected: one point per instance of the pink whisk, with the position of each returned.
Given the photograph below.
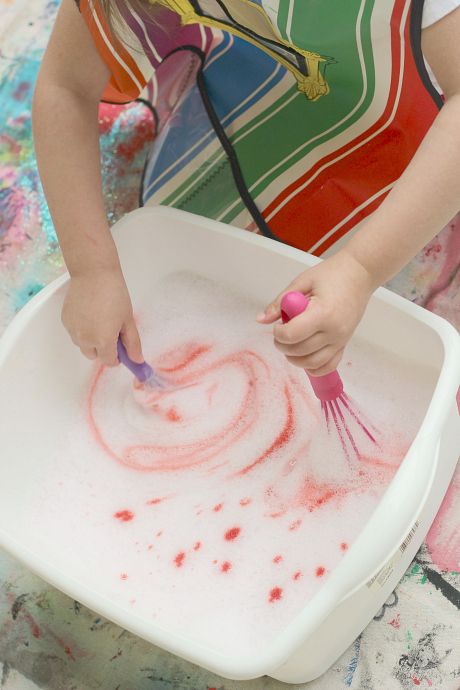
(328, 388)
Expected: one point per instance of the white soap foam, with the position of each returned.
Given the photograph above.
(218, 507)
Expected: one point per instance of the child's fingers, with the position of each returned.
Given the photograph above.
(89, 352)
(271, 313)
(301, 327)
(107, 353)
(131, 340)
(305, 347)
(320, 363)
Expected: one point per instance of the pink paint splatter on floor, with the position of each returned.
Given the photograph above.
(443, 539)
(226, 566)
(320, 570)
(217, 508)
(297, 575)
(395, 622)
(277, 559)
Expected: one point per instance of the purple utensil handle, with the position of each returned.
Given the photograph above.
(142, 371)
(329, 386)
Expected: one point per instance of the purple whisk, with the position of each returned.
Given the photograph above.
(328, 388)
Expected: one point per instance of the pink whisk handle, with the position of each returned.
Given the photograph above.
(329, 386)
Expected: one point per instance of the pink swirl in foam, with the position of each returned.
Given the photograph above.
(212, 404)
(231, 411)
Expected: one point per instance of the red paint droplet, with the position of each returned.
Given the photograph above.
(396, 622)
(179, 559)
(150, 547)
(297, 575)
(172, 415)
(155, 501)
(275, 594)
(159, 533)
(278, 514)
(245, 501)
(197, 546)
(344, 546)
(68, 651)
(218, 507)
(416, 681)
(124, 515)
(232, 533)
(214, 562)
(320, 571)
(226, 566)
(277, 559)
(124, 576)
(295, 525)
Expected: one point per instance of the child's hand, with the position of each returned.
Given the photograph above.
(339, 289)
(97, 308)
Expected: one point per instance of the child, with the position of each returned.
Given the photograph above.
(359, 157)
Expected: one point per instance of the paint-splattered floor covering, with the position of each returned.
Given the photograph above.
(49, 641)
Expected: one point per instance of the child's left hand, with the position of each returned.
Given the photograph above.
(339, 289)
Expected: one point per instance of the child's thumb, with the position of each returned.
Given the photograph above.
(130, 339)
(272, 311)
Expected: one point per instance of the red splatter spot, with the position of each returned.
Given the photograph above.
(155, 501)
(214, 562)
(141, 133)
(124, 515)
(218, 507)
(197, 546)
(275, 594)
(226, 566)
(319, 572)
(179, 559)
(344, 546)
(278, 514)
(295, 525)
(159, 533)
(416, 681)
(172, 415)
(232, 533)
(396, 623)
(150, 547)
(21, 91)
(68, 651)
(245, 501)
(277, 559)
(297, 575)
(124, 576)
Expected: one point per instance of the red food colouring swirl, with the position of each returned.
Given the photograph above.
(197, 366)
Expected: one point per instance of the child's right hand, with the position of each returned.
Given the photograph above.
(97, 308)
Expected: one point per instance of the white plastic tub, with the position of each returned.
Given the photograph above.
(43, 378)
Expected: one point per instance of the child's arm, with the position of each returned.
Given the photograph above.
(70, 84)
(424, 199)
